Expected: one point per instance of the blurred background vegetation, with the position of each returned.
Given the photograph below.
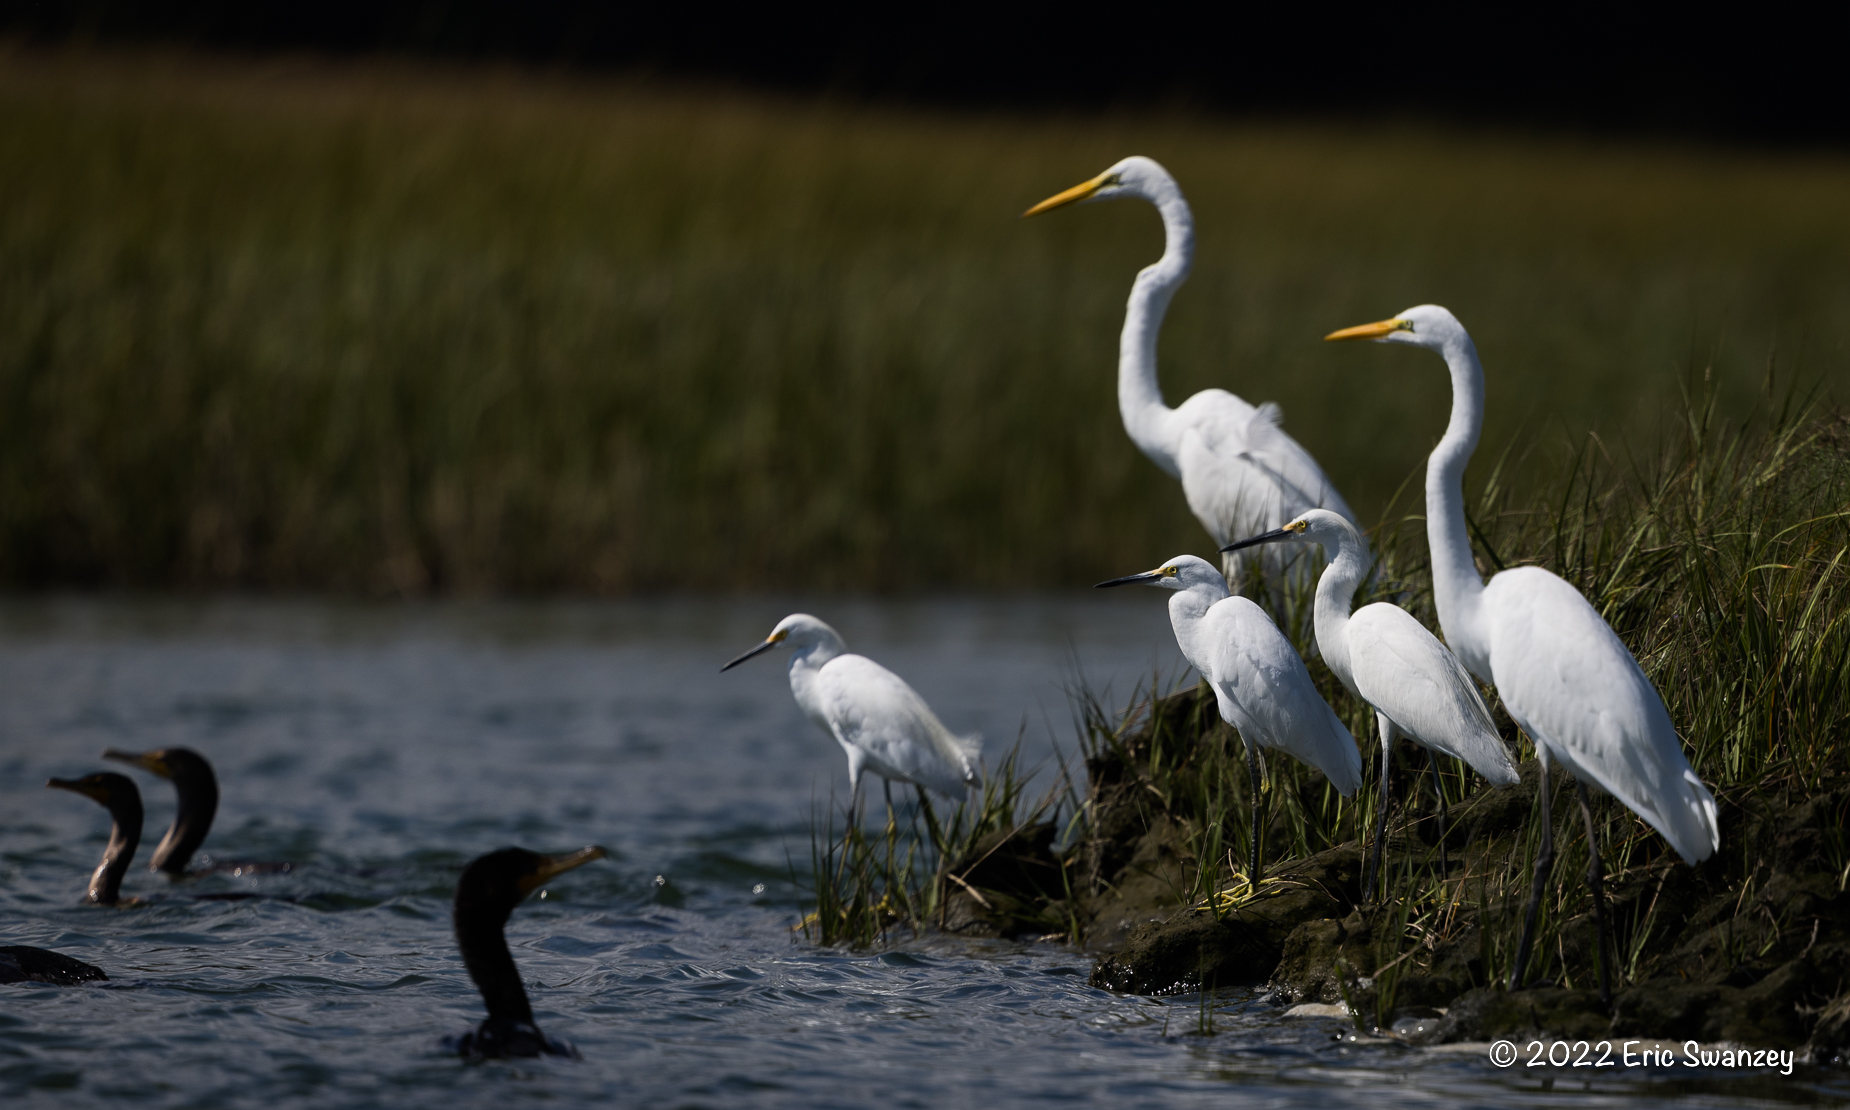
(398, 330)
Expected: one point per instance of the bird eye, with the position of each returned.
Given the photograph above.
(1403, 325)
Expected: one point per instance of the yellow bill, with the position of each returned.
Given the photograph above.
(1082, 191)
(1370, 331)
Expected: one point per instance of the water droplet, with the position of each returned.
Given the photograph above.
(758, 888)
(543, 894)
(659, 881)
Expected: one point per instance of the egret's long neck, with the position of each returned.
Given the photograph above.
(812, 654)
(1140, 397)
(1457, 588)
(1186, 608)
(1348, 563)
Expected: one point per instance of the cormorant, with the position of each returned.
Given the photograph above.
(119, 795)
(20, 963)
(486, 895)
(196, 788)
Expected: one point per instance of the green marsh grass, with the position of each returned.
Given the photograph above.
(382, 329)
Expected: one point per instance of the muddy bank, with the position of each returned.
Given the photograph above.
(1752, 946)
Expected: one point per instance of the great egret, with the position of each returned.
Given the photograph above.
(1240, 472)
(1259, 683)
(490, 887)
(1563, 674)
(1386, 658)
(882, 723)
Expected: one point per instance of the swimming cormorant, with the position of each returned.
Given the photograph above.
(196, 788)
(486, 895)
(21, 963)
(119, 795)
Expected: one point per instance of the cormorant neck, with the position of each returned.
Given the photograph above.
(480, 934)
(124, 838)
(197, 789)
(1347, 565)
(1140, 397)
(1457, 587)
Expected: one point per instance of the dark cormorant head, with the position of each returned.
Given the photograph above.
(119, 795)
(486, 895)
(197, 789)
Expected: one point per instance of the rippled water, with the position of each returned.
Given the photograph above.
(381, 749)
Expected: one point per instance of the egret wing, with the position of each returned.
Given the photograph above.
(1255, 667)
(874, 710)
(1406, 673)
(1241, 472)
(1569, 680)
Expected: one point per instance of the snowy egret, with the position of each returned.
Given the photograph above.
(1259, 683)
(882, 723)
(122, 798)
(490, 887)
(1563, 674)
(1416, 687)
(1239, 470)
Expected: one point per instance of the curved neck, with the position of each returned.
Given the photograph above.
(1186, 609)
(481, 937)
(1457, 587)
(1347, 564)
(1140, 397)
(124, 838)
(814, 653)
(198, 804)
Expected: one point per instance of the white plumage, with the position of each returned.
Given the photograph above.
(1260, 685)
(1239, 470)
(1562, 673)
(882, 724)
(1416, 687)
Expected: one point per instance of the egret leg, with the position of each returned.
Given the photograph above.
(1387, 799)
(1438, 788)
(886, 785)
(1252, 771)
(1543, 862)
(1596, 874)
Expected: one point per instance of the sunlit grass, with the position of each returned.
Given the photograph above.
(391, 330)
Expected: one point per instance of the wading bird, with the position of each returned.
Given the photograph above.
(196, 792)
(1259, 683)
(882, 723)
(486, 895)
(1416, 687)
(122, 798)
(1239, 470)
(1563, 674)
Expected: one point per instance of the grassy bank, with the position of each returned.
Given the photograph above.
(1723, 561)
(385, 330)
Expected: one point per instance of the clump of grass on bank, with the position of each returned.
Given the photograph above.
(382, 329)
(912, 874)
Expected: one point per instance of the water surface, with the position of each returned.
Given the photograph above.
(382, 748)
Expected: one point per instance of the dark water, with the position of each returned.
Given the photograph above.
(381, 749)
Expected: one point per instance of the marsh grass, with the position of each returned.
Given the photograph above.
(868, 885)
(384, 329)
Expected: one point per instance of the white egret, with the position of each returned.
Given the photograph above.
(1259, 683)
(1239, 470)
(1416, 687)
(1563, 674)
(882, 723)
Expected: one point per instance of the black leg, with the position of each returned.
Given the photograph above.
(1386, 800)
(1438, 789)
(1596, 874)
(1544, 860)
(1252, 771)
